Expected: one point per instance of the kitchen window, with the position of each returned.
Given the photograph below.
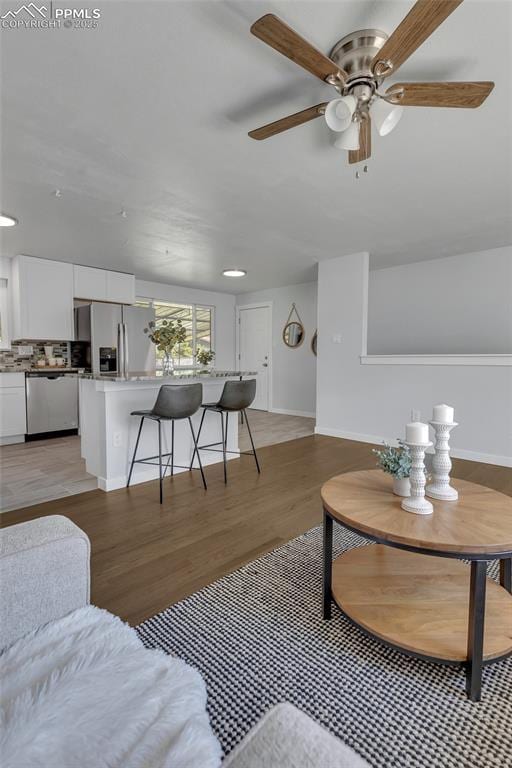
(198, 321)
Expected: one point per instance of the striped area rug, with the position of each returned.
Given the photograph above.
(258, 638)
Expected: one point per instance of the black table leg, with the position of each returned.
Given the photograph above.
(506, 574)
(327, 555)
(476, 629)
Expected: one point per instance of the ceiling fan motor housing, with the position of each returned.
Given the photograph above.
(354, 55)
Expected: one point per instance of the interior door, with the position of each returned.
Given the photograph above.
(254, 342)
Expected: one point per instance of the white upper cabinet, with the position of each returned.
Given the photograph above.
(90, 283)
(120, 288)
(103, 285)
(42, 299)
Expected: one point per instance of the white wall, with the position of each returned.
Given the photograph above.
(5, 303)
(374, 402)
(293, 370)
(459, 304)
(224, 303)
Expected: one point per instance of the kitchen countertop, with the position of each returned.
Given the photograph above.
(52, 369)
(157, 375)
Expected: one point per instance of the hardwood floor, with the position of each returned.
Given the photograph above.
(145, 557)
(44, 470)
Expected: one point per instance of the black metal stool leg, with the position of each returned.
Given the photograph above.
(160, 459)
(172, 448)
(223, 446)
(195, 439)
(168, 460)
(135, 452)
(252, 443)
(477, 587)
(196, 449)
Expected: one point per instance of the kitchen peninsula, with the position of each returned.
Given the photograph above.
(108, 432)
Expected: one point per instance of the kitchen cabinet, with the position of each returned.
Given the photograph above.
(103, 285)
(89, 283)
(42, 299)
(13, 414)
(120, 288)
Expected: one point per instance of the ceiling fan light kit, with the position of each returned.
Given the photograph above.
(349, 139)
(357, 66)
(338, 113)
(386, 116)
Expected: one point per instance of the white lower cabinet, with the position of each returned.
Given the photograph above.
(13, 409)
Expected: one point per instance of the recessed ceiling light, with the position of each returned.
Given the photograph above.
(7, 221)
(234, 272)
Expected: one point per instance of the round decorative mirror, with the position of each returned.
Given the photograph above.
(313, 342)
(293, 331)
(293, 334)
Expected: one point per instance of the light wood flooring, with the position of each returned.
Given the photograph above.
(44, 470)
(272, 428)
(146, 556)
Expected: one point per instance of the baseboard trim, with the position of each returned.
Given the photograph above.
(12, 439)
(456, 453)
(288, 412)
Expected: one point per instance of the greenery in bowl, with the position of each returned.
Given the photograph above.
(394, 461)
(204, 356)
(168, 334)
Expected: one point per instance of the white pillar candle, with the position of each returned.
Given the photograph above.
(416, 432)
(443, 414)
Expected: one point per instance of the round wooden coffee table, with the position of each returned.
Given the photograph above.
(436, 608)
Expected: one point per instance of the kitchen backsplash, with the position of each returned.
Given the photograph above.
(11, 359)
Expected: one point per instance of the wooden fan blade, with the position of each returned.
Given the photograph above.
(365, 142)
(284, 39)
(288, 122)
(468, 95)
(424, 18)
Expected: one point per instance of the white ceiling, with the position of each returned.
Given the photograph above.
(149, 113)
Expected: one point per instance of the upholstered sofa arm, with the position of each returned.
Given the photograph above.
(44, 574)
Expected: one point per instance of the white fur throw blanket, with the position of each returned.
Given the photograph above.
(83, 692)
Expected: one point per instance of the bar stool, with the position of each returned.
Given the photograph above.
(236, 397)
(174, 402)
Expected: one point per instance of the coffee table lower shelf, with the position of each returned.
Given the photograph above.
(418, 603)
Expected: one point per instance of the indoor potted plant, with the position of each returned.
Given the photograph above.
(205, 356)
(396, 461)
(166, 337)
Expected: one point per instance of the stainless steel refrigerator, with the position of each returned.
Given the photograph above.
(116, 336)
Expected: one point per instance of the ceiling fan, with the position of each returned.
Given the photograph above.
(357, 66)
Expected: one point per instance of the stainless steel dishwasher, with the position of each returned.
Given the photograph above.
(52, 402)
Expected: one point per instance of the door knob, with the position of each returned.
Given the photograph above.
(265, 365)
